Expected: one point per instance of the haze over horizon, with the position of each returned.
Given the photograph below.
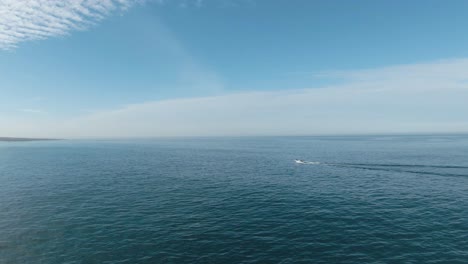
(134, 68)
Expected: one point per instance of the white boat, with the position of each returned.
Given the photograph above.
(298, 161)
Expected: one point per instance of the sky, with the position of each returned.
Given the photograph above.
(149, 68)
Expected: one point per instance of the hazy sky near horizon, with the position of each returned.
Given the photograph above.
(143, 68)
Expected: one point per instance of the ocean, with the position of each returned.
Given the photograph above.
(361, 199)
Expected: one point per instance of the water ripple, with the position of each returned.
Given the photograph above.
(233, 201)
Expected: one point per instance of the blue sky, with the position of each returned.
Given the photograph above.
(115, 68)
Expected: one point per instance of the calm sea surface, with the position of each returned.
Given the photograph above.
(383, 199)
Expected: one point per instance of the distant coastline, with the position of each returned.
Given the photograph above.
(13, 139)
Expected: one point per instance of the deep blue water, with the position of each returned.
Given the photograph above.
(387, 199)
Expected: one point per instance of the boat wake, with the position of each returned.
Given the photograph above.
(437, 170)
(401, 165)
(405, 169)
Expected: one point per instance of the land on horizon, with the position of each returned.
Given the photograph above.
(11, 139)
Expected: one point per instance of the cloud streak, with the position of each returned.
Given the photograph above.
(32, 111)
(418, 98)
(28, 20)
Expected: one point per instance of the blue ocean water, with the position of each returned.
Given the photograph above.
(385, 199)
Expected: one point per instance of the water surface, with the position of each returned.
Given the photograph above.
(386, 199)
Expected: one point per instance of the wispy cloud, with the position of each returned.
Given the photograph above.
(416, 98)
(452, 71)
(25, 20)
(32, 111)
